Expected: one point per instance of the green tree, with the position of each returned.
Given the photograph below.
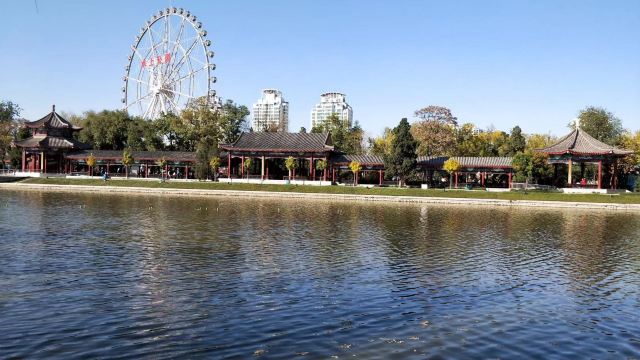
(174, 133)
(451, 166)
(205, 129)
(355, 168)
(401, 160)
(517, 141)
(9, 110)
(290, 163)
(142, 135)
(601, 124)
(206, 149)
(233, 121)
(466, 140)
(105, 130)
(127, 160)
(346, 138)
(530, 166)
(8, 127)
(19, 132)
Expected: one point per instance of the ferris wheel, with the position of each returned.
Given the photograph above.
(169, 66)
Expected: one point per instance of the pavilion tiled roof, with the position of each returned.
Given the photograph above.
(50, 142)
(362, 159)
(580, 143)
(433, 161)
(281, 142)
(52, 120)
(494, 162)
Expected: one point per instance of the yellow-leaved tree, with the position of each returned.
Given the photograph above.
(451, 166)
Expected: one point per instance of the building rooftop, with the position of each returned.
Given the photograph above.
(278, 142)
(52, 120)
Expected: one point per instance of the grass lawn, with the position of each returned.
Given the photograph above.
(632, 198)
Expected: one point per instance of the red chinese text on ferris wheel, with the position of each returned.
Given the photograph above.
(158, 60)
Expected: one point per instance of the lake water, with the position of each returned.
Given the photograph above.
(89, 275)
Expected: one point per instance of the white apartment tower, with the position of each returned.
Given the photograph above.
(271, 112)
(331, 102)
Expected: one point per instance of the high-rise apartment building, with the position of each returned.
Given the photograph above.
(271, 112)
(330, 103)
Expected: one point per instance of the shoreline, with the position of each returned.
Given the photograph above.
(324, 196)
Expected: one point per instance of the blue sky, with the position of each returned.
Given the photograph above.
(500, 63)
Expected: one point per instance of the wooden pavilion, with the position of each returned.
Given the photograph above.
(580, 147)
(272, 148)
(51, 138)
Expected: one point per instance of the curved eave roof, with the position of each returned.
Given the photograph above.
(578, 142)
(52, 120)
(50, 142)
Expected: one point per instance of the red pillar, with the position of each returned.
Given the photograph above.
(186, 172)
(334, 174)
(600, 174)
(357, 173)
(24, 160)
(615, 175)
(380, 172)
(324, 175)
(242, 167)
(482, 177)
(229, 165)
(44, 163)
(509, 180)
(312, 174)
(456, 180)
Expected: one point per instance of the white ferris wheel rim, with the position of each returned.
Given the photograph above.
(170, 68)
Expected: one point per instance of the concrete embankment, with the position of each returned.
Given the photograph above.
(323, 196)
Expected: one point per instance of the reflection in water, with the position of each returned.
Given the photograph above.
(97, 275)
